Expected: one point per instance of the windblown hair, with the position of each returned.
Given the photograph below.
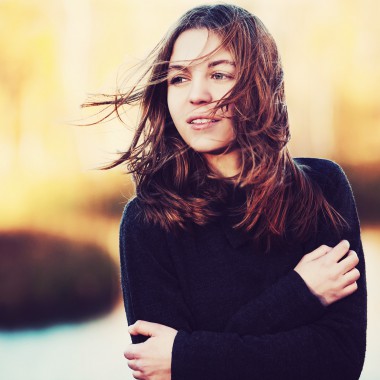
(175, 183)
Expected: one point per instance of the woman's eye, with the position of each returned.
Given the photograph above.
(177, 80)
(221, 76)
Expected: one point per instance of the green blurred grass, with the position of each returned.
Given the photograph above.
(46, 279)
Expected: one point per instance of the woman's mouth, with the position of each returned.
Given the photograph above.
(200, 124)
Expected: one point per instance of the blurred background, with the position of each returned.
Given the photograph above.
(61, 315)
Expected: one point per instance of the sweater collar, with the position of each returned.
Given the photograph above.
(236, 237)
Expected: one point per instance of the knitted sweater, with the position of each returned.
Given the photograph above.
(241, 313)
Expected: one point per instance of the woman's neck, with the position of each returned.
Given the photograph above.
(226, 165)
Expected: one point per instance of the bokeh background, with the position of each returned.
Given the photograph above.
(60, 310)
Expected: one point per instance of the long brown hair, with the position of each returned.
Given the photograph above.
(175, 183)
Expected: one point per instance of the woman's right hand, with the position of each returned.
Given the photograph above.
(327, 275)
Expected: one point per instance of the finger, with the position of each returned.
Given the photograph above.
(350, 277)
(133, 351)
(348, 262)
(138, 375)
(317, 253)
(348, 290)
(339, 251)
(132, 364)
(144, 328)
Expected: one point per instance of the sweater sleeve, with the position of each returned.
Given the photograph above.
(150, 287)
(278, 308)
(332, 347)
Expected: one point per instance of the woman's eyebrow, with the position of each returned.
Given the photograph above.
(177, 67)
(221, 62)
(211, 64)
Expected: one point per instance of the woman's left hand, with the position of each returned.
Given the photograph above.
(151, 360)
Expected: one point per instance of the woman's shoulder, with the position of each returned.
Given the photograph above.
(319, 165)
(132, 210)
(137, 231)
(327, 174)
(320, 168)
(133, 217)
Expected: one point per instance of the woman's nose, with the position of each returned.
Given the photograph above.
(199, 92)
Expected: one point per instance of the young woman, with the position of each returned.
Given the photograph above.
(237, 261)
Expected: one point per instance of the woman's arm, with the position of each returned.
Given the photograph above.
(150, 286)
(321, 278)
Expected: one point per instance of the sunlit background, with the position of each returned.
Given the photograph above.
(59, 215)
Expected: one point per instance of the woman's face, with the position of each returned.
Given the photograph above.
(193, 87)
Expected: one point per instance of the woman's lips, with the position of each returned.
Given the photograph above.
(201, 124)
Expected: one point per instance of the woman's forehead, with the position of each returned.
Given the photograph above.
(197, 43)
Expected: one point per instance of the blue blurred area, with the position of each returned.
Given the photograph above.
(92, 350)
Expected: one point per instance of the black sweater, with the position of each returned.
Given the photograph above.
(241, 313)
